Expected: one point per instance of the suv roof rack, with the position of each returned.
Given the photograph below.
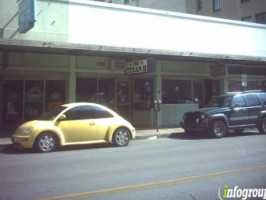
(249, 91)
(241, 92)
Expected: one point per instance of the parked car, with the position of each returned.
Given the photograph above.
(73, 124)
(234, 111)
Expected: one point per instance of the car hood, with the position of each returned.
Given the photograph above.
(28, 124)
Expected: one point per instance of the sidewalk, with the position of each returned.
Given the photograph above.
(153, 134)
(142, 134)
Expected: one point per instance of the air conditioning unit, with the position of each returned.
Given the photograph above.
(118, 64)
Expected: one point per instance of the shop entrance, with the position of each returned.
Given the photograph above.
(114, 94)
(123, 98)
(198, 92)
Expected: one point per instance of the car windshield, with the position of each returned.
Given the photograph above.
(52, 114)
(221, 101)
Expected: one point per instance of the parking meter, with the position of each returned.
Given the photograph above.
(157, 108)
(157, 105)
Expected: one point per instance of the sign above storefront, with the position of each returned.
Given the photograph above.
(218, 70)
(27, 15)
(139, 67)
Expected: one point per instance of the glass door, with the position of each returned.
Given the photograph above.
(33, 99)
(12, 102)
(123, 98)
(198, 92)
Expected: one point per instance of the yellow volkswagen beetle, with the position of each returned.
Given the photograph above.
(73, 124)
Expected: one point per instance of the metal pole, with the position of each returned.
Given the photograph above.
(157, 125)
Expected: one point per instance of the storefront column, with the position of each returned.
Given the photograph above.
(158, 90)
(224, 84)
(72, 80)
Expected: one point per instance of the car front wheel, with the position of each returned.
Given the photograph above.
(46, 142)
(121, 137)
(218, 129)
(262, 126)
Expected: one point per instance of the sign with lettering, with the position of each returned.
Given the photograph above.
(26, 15)
(139, 67)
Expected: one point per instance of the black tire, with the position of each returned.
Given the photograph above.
(121, 137)
(262, 126)
(46, 142)
(218, 129)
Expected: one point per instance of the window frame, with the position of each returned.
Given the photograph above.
(199, 5)
(246, 19)
(261, 16)
(234, 103)
(244, 1)
(248, 101)
(217, 5)
(97, 110)
(68, 118)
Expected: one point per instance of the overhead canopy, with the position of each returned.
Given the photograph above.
(102, 27)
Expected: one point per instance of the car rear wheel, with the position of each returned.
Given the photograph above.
(46, 142)
(262, 126)
(218, 129)
(121, 137)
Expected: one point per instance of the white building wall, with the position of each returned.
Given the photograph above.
(130, 29)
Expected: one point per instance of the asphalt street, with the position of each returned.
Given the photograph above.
(174, 167)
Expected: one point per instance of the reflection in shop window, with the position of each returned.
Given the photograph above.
(54, 94)
(33, 98)
(236, 85)
(12, 102)
(176, 91)
(143, 94)
(99, 91)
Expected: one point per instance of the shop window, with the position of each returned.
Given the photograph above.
(143, 94)
(246, 19)
(217, 5)
(33, 98)
(99, 91)
(261, 18)
(176, 91)
(199, 5)
(236, 85)
(12, 102)
(54, 94)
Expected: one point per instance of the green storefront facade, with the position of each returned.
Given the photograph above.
(46, 67)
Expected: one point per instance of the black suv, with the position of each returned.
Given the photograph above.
(234, 111)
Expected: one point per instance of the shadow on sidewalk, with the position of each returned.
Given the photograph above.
(204, 136)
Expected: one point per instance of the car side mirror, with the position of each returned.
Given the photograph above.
(62, 117)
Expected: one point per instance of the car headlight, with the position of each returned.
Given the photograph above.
(28, 130)
(202, 116)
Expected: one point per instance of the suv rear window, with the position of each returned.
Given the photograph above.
(263, 98)
(252, 100)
